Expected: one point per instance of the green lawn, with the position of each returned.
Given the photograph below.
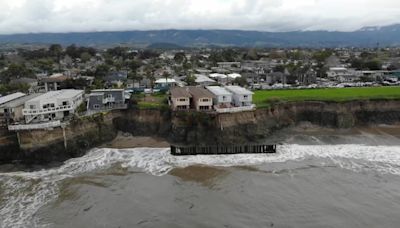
(150, 105)
(151, 101)
(263, 98)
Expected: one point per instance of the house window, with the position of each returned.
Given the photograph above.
(245, 97)
(182, 99)
(109, 95)
(223, 98)
(205, 100)
(181, 107)
(96, 106)
(32, 106)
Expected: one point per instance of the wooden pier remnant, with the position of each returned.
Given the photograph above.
(223, 149)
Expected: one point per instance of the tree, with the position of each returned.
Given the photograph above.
(45, 65)
(190, 80)
(11, 88)
(180, 57)
(134, 76)
(321, 56)
(149, 71)
(240, 81)
(373, 64)
(361, 64)
(147, 54)
(166, 75)
(134, 65)
(251, 54)
(72, 51)
(279, 68)
(55, 50)
(118, 52)
(357, 63)
(187, 66)
(102, 71)
(15, 71)
(74, 84)
(85, 56)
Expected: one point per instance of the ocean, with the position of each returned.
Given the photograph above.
(348, 181)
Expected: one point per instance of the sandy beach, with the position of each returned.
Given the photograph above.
(126, 140)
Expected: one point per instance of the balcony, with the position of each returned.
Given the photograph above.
(29, 112)
(108, 100)
(105, 109)
(21, 127)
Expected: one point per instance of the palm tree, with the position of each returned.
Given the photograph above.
(150, 75)
(166, 75)
(134, 76)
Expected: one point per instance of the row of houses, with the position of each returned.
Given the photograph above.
(21, 111)
(209, 98)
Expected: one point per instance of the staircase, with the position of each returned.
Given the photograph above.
(30, 118)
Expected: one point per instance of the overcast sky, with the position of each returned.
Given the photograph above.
(25, 16)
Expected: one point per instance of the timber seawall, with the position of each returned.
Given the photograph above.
(43, 146)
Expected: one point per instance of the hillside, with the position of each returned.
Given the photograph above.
(365, 37)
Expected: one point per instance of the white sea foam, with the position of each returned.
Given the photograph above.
(26, 192)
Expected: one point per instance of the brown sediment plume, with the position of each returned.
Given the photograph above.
(125, 141)
(204, 175)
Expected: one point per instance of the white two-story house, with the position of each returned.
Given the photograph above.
(53, 105)
(222, 97)
(241, 96)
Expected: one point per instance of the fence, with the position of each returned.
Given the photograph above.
(47, 110)
(105, 109)
(235, 109)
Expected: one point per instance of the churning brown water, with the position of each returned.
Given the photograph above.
(316, 184)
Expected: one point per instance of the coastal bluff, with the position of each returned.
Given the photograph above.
(59, 144)
(258, 125)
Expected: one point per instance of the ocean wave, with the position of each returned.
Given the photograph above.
(25, 192)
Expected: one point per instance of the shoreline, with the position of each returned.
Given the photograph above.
(291, 135)
(290, 123)
(127, 141)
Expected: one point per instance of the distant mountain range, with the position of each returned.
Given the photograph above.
(365, 37)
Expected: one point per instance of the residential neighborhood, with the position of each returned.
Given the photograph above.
(54, 84)
(200, 113)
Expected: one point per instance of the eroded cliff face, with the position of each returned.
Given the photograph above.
(201, 128)
(264, 122)
(59, 144)
(195, 128)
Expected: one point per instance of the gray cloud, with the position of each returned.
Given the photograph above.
(23, 16)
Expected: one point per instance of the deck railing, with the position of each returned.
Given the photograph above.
(47, 125)
(109, 108)
(235, 109)
(27, 112)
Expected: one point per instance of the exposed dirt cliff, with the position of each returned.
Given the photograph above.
(195, 128)
(200, 128)
(45, 146)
